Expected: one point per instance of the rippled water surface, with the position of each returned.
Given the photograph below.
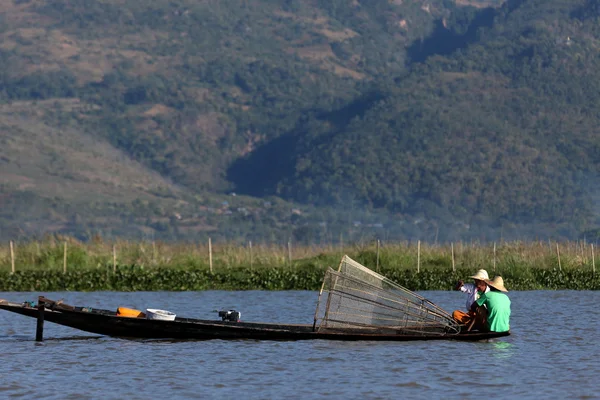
(553, 352)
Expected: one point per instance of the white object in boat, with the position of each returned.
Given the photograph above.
(153, 313)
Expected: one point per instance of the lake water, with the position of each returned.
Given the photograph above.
(553, 352)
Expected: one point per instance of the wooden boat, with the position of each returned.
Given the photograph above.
(356, 308)
(106, 322)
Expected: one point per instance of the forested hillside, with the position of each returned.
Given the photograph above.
(495, 125)
(328, 119)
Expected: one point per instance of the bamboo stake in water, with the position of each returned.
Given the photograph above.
(12, 258)
(418, 256)
(114, 259)
(377, 256)
(558, 256)
(210, 255)
(452, 249)
(65, 259)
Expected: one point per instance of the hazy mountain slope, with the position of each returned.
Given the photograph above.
(69, 163)
(187, 86)
(52, 177)
(181, 89)
(118, 113)
(502, 130)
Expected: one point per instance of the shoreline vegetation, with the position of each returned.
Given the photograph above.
(64, 264)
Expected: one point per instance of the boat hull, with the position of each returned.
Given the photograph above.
(104, 322)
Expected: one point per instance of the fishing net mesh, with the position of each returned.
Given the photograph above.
(362, 299)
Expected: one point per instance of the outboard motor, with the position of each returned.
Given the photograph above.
(230, 315)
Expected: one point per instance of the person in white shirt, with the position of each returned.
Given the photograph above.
(472, 295)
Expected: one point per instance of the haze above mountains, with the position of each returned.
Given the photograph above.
(316, 121)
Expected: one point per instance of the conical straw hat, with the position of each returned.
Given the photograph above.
(497, 283)
(481, 275)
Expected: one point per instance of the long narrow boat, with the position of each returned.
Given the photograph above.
(106, 322)
(360, 305)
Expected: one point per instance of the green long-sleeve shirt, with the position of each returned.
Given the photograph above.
(498, 308)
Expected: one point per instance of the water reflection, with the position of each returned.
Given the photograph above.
(503, 350)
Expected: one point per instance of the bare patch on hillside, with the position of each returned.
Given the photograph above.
(316, 20)
(327, 60)
(338, 36)
(322, 55)
(43, 49)
(100, 57)
(479, 3)
(69, 163)
(347, 72)
(252, 141)
(62, 46)
(51, 50)
(211, 127)
(16, 13)
(317, 53)
(159, 109)
(320, 24)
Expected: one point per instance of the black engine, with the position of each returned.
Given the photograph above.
(230, 315)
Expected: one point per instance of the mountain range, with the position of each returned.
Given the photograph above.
(314, 121)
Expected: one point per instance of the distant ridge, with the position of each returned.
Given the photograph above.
(416, 119)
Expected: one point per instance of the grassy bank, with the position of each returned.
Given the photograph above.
(57, 264)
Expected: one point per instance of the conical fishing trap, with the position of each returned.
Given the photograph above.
(361, 299)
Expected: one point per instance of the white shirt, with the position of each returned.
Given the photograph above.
(473, 295)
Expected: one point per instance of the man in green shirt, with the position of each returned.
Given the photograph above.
(497, 305)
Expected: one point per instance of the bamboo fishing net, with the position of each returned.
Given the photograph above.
(358, 298)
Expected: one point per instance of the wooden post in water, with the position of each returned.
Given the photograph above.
(453, 265)
(558, 256)
(210, 256)
(12, 258)
(418, 256)
(39, 330)
(114, 259)
(377, 256)
(65, 259)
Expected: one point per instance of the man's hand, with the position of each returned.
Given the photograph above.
(458, 285)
